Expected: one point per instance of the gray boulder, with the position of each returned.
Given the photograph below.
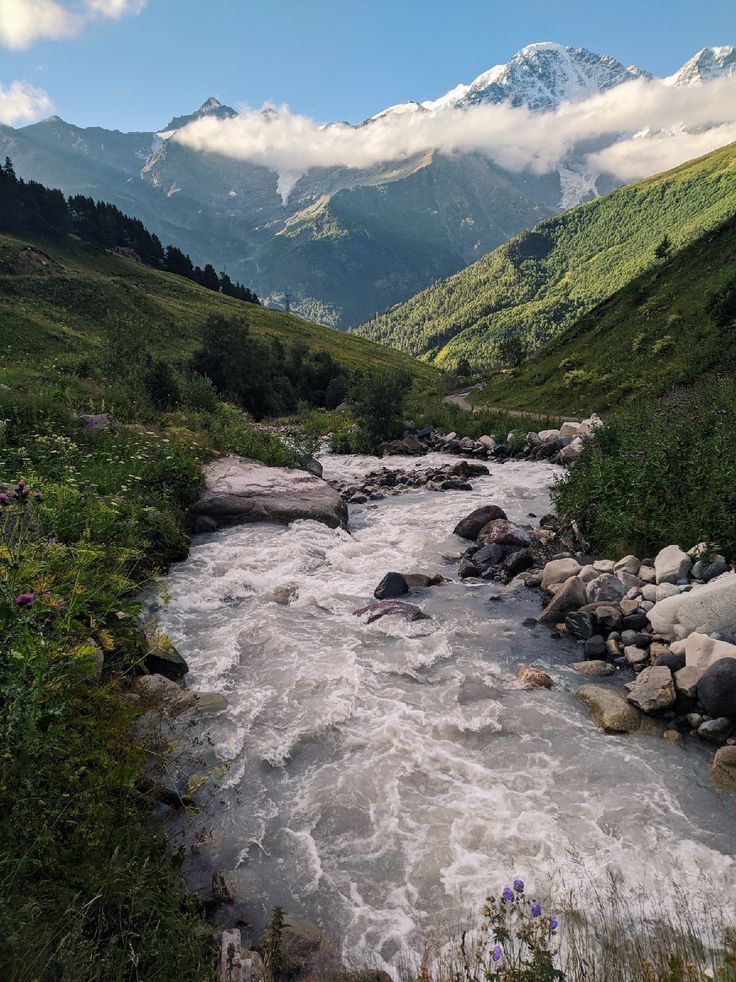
(559, 570)
(389, 608)
(570, 596)
(672, 564)
(504, 533)
(702, 651)
(710, 609)
(717, 689)
(239, 490)
(687, 680)
(606, 587)
(654, 690)
(471, 525)
(715, 730)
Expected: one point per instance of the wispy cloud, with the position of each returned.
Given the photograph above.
(515, 138)
(24, 22)
(20, 103)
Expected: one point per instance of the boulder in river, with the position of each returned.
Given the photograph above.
(162, 658)
(594, 667)
(609, 708)
(240, 490)
(470, 526)
(533, 678)
(654, 690)
(387, 608)
(392, 585)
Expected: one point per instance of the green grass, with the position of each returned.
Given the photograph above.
(64, 313)
(659, 473)
(544, 281)
(651, 337)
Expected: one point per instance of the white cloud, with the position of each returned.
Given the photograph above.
(630, 160)
(515, 138)
(22, 103)
(23, 22)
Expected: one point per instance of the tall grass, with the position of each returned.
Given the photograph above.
(659, 473)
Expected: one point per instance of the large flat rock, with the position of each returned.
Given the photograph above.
(239, 490)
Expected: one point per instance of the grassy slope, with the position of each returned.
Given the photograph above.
(65, 312)
(610, 356)
(543, 281)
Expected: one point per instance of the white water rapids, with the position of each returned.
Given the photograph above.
(384, 778)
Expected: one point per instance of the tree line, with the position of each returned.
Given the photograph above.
(28, 207)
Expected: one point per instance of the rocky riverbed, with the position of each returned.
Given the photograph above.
(382, 773)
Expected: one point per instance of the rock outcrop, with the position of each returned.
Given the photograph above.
(239, 490)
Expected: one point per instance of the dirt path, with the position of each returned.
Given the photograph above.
(461, 399)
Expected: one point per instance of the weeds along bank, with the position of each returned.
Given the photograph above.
(91, 504)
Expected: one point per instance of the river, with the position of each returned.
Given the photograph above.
(384, 778)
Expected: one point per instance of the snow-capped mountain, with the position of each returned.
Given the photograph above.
(706, 65)
(542, 76)
(345, 241)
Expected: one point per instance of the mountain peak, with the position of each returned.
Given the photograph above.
(706, 65)
(210, 107)
(541, 76)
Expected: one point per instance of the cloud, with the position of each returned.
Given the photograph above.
(514, 137)
(21, 103)
(631, 160)
(23, 22)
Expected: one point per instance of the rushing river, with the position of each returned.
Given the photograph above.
(384, 778)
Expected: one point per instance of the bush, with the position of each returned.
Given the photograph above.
(657, 475)
(377, 402)
(664, 344)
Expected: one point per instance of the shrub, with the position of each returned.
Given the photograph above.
(377, 402)
(664, 344)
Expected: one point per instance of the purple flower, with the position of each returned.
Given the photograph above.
(497, 952)
(507, 895)
(4, 499)
(519, 886)
(37, 496)
(553, 924)
(25, 599)
(536, 910)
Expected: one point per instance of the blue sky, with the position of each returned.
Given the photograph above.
(334, 59)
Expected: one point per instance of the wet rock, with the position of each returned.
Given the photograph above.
(595, 648)
(299, 946)
(239, 490)
(204, 524)
(469, 468)
(581, 626)
(423, 580)
(162, 658)
(570, 596)
(559, 570)
(723, 768)
(174, 701)
(517, 562)
(593, 667)
(717, 688)
(489, 555)
(609, 708)
(504, 533)
(357, 498)
(470, 526)
(467, 569)
(454, 484)
(314, 467)
(606, 587)
(533, 678)
(674, 737)
(392, 585)
(715, 730)
(223, 888)
(389, 608)
(654, 690)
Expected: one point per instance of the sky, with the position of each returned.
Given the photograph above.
(133, 64)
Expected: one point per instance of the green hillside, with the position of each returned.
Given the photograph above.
(65, 307)
(671, 325)
(543, 281)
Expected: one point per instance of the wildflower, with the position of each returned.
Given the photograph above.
(4, 500)
(37, 496)
(519, 886)
(25, 599)
(497, 953)
(553, 924)
(507, 895)
(536, 910)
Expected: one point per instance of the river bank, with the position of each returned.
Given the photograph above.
(382, 778)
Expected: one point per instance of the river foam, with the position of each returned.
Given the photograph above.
(384, 778)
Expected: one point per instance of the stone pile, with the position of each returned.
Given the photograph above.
(563, 445)
(385, 481)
